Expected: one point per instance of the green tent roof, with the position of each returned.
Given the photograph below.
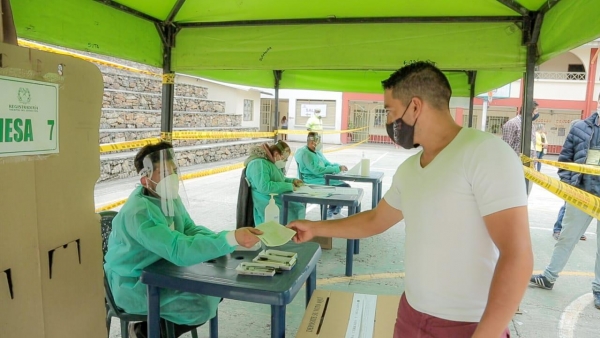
(346, 45)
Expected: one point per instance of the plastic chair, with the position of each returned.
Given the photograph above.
(112, 310)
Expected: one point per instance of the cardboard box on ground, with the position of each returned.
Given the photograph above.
(50, 244)
(336, 314)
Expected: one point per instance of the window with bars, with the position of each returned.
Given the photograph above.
(494, 124)
(380, 118)
(248, 110)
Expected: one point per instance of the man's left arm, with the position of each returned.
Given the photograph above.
(509, 230)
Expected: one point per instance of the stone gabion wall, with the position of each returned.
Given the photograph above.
(124, 168)
(117, 119)
(109, 136)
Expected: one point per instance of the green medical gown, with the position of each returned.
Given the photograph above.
(265, 178)
(313, 166)
(141, 235)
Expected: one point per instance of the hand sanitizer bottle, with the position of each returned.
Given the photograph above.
(272, 211)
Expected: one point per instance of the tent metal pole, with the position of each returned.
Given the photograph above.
(168, 87)
(527, 110)
(472, 78)
(275, 117)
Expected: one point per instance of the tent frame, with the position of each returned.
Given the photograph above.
(530, 23)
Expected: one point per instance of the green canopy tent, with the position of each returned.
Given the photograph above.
(346, 45)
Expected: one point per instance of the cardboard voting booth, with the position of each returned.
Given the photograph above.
(336, 314)
(50, 244)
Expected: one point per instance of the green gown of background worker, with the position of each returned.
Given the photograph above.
(141, 233)
(265, 178)
(313, 165)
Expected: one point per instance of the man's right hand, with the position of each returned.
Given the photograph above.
(246, 237)
(343, 168)
(304, 230)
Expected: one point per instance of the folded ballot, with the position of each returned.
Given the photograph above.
(275, 234)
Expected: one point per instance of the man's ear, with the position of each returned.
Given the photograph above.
(144, 181)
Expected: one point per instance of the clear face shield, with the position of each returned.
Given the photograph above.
(162, 171)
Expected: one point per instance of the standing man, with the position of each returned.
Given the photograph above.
(315, 122)
(583, 139)
(511, 131)
(468, 250)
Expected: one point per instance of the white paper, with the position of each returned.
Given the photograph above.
(317, 191)
(275, 234)
(362, 316)
(354, 170)
(346, 191)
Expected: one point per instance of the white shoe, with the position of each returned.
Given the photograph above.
(131, 330)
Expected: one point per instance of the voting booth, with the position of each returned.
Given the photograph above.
(50, 244)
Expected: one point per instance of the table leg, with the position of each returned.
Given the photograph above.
(153, 312)
(311, 284)
(374, 195)
(324, 212)
(356, 241)
(277, 321)
(349, 256)
(214, 326)
(380, 191)
(285, 213)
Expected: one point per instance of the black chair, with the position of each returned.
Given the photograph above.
(112, 310)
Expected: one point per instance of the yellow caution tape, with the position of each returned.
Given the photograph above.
(345, 147)
(166, 136)
(305, 132)
(212, 171)
(580, 199)
(111, 205)
(33, 45)
(202, 135)
(579, 168)
(168, 78)
(104, 148)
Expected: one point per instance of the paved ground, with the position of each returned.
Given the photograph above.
(566, 311)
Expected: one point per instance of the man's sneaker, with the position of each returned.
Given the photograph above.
(556, 235)
(337, 210)
(329, 214)
(597, 299)
(541, 281)
(583, 238)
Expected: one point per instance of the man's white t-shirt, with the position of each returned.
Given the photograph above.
(450, 257)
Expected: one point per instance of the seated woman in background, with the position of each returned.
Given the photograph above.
(264, 173)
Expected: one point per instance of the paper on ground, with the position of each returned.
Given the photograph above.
(275, 234)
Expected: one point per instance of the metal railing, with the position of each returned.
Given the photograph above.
(575, 76)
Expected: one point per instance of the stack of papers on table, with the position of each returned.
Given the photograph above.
(315, 190)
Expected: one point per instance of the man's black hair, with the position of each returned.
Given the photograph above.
(420, 79)
(147, 150)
